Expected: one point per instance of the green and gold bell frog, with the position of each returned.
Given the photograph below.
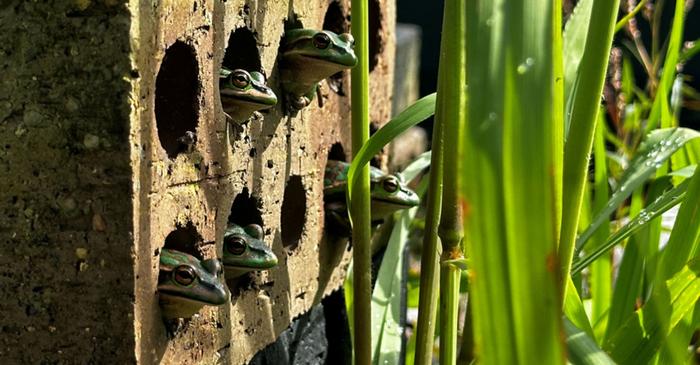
(309, 56)
(245, 250)
(243, 93)
(388, 194)
(186, 284)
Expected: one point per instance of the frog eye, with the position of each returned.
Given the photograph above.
(240, 79)
(391, 184)
(236, 245)
(184, 275)
(321, 40)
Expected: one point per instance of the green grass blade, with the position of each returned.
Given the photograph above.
(621, 24)
(583, 350)
(510, 172)
(414, 114)
(665, 202)
(575, 35)
(386, 298)
(660, 111)
(574, 310)
(601, 270)
(685, 236)
(582, 102)
(638, 340)
(654, 151)
(417, 166)
(639, 259)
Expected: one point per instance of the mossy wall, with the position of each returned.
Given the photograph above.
(93, 96)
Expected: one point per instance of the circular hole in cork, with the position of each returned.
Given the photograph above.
(246, 209)
(376, 42)
(293, 212)
(242, 51)
(337, 22)
(176, 99)
(337, 152)
(184, 238)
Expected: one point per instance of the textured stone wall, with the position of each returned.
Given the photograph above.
(93, 183)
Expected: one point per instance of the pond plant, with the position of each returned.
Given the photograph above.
(517, 214)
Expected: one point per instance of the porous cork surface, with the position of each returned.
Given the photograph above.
(66, 229)
(94, 183)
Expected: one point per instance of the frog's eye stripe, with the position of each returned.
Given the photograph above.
(184, 275)
(321, 40)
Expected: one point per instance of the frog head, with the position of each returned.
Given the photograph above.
(309, 56)
(245, 250)
(243, 93)
(186, 283)
(388, 193)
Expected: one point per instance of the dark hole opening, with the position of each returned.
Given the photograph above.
(176, 106)
(184, 239)
(293, 212)
(337, 152)
(337, 22)
(375, 161)
(376, 43)
(245, 209)
(293, 23)
(242, 51)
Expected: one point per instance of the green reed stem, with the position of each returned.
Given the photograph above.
(452, 98)
(449, 308)
(427, 298)
(360, 208)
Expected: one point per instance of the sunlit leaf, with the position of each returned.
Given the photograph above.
(386, 297)
(665, 202)
(641, 336)
(583, 350)
(654, 151)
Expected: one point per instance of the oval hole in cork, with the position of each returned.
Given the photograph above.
(293, 212)
(246, 209)
(184, 238)
(176, 99)
(337, 22)
(242, 51)
(376, 41)
(337, 152)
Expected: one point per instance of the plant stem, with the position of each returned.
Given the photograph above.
(449, 308)
(630, 15)
(466, 351)
(452, 99)
(427, 300)
(360, 208)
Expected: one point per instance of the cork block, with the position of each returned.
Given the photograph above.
(97, 178)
